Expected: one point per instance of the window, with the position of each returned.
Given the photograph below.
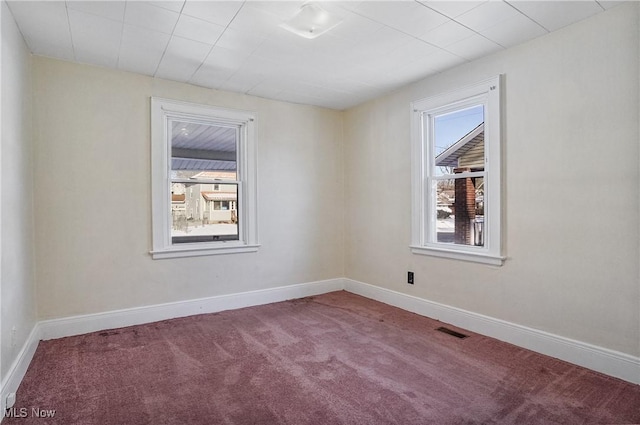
(203, 180)
(456, 166)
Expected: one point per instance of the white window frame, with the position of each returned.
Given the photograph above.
(162, 112)
(423, 217)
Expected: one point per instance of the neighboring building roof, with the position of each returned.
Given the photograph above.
(219, 196)
(213, 175)
(201, 164)
(450, 156)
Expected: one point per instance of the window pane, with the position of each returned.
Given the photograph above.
(460, 211)
(204, 212)
(203, 151)
(459, 140)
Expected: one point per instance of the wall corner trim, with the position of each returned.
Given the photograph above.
(599, 359)
(19, 367)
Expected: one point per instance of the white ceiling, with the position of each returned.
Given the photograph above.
(238, 45)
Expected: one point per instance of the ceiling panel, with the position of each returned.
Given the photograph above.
(173, 5)
(240, 46)
(409, 51)
(45, 27)
(378, 44)
(450, 8)
(284, 10)
(96, 40)
(409, 17)
(182, 59)
(53, 49)
(243, 81)
(146, 15)
(107, 9)
(553, 15)
(514, 31)
(256, 21)
(487, 15)
(441, 60)
(211, 76)
(217, 12)
(447, 34)
(474, 47)
(141, 50)
(240, 41)
(198, 30)
(608, 4)
(226, 58)
(355, 27)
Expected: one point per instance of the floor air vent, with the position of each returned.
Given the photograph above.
(452, 333)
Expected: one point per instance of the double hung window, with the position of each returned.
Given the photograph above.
(203, 180)
(456, 174)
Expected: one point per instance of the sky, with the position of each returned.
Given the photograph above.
(451, 127)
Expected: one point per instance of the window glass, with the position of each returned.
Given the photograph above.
(458, 175)
(459, 215)
(197, 147)
(202, 157)
(452, 132)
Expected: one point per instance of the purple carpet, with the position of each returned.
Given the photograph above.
(337, 358)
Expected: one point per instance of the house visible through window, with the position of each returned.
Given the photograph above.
(203, 180)
(202, 157)
(456, 174)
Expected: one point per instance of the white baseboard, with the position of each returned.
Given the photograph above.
(608, 362)
(18, 368)
(600, 359)
(77, 325)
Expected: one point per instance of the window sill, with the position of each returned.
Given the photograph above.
(198, 251)
(454, 254)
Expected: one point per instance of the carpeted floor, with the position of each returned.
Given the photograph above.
(332, 359)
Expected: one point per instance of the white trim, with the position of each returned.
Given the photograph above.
(464, 255)
(77, 325)
(193, 250)
(2, 395)
(19, 367)
(603, 360)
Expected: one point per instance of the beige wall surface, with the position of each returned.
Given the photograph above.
(571, 177)
(92, 186)
(17, 268)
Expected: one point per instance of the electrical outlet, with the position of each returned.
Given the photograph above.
(410, 278)
(13, 337)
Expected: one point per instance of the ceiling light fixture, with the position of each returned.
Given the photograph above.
(311, 21)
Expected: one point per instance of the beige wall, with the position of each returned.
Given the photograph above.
(92, 185)
(571, 188)
(17, 268)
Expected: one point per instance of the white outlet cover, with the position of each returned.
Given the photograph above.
(11, 400)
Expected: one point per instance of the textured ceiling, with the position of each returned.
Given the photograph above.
(239, 46)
